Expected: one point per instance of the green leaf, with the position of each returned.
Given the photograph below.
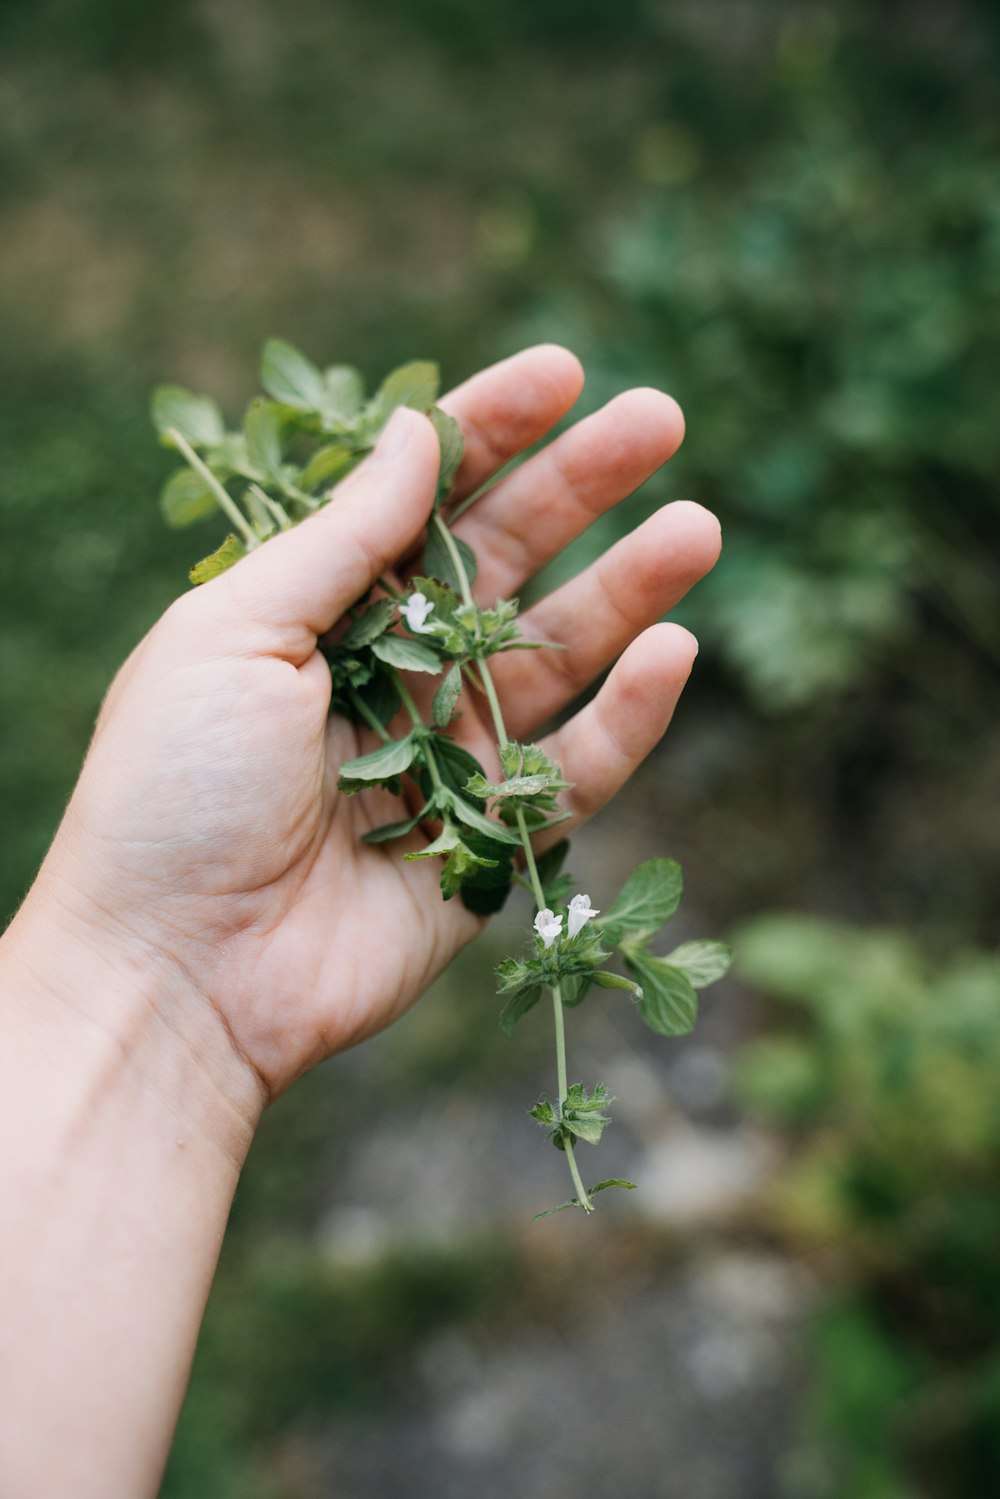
(196, 418)
(380, 765)
(449, 435)
(261, 519)
(390, 830)
(669, 1004)
(438, 563)
(186, 499)
(345, 395)
(447, 695)
(579, 1099)
(703, 962)
(605, 980)
(649, 897)
(262, 430)
(573, 989)
(519, 1005)
(327, 465)
(445, 843)
(368, 626)
(467, 813)
(414, 384)
(544, 1112)
(517, 786)
(406, 655)
(290, 377)
(486, 888)
(455, 765)
(574, 1202)
(219, 561)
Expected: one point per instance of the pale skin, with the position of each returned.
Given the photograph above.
(207, 925)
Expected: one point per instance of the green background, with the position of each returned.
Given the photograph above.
(789, 217)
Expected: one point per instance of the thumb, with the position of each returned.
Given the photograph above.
(300, 583)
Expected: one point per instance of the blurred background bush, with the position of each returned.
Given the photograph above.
(789, 216)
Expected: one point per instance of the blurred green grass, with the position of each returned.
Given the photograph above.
(787, 215)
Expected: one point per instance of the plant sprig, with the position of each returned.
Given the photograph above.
(295, 446)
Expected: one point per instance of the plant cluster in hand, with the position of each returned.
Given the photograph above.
(296, 444)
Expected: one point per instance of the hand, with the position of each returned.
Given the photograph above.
(207, 838)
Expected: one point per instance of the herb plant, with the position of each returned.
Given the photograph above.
(297, 443)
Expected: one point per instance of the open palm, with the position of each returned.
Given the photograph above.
(207, 824)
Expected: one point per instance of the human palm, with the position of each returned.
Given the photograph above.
(226, 848)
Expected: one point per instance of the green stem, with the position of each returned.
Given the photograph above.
(223, 498)
(456, 560)
(418, 723)
(368, 715)
(496, 713)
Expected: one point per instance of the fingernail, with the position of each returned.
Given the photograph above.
(395, 436)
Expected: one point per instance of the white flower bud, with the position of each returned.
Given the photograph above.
(580, 912)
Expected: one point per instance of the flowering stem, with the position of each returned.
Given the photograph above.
(223, 498)
(496, 713)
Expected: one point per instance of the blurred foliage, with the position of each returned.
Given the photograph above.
(889, 1079)
(789, 215)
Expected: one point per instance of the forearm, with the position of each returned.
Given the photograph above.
(124, 1121)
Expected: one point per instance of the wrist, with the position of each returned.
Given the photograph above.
(95, 1001)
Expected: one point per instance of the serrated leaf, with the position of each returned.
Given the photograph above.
(414, 384)
(519, 1005)
(406, 655)
(579, 1099)
(328, 465)
(544, 1112)
(380, 765)
(452, 443)
(368, 626)
(196, 418)
(703, 962)
(219, 561)
(447, 695)
(288, 376)
(669, 1004)
(262, 430)
(438, 563)
(649, 897)
(186, 499)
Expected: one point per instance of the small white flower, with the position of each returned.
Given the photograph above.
(580, 912)
(548, 927)
(415, 612)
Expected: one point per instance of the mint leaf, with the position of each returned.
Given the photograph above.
(406, 655)
(605, 980)
(703, 962)
(327, 465)
(438, 563)
(649, 897)
(669, 1004)
(219, 561)
(519, 1005)
(344, 394)
(449, 435)
(414, 384)
(196, 418)
(574, 1202)
(262, 430)
(447, 695)
(382, 764)
(368, 626)
(290, 377)
(467, 813)
(390, 830)
(186, 499)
